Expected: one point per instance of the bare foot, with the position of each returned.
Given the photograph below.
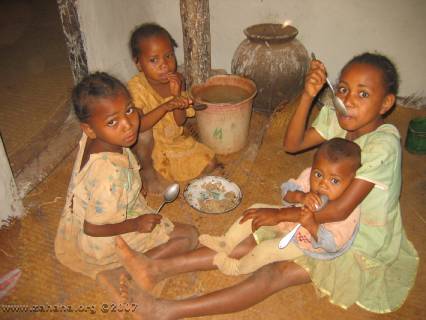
(147, 307)
(124, 286)
(110, 280)
(153, 183)
(139, 266)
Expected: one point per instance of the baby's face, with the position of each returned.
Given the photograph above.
(331, 178)
(156, 59)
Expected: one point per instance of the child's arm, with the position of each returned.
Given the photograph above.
(308, 221)
(342, 207)
(144, 224)
(294, 196)
(151, 118)
(176, 84)
(336, 210)
(296, 137)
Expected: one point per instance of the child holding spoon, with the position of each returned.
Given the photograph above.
(167, 151)
(333, 169)
(377, 271)
(104, 199)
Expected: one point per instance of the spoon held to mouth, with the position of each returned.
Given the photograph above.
(337, 102)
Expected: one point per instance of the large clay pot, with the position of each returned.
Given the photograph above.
(275, 60)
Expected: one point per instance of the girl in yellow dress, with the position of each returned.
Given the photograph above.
(104, 198)
(175, 156)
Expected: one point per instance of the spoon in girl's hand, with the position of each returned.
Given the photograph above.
(170, 194)
(337, 102)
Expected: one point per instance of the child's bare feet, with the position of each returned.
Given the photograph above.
(111, 280)
(125, 279)
(140, 267)
(153, 183)
(147, 307)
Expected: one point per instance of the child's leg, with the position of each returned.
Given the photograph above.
(183, 238)
(264, 253)
(262, 284)
(226, 243)
(147, 272)
(152, 181)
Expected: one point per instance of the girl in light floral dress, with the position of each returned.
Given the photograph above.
(104, 198)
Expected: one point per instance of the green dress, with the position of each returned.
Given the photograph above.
(380, 268)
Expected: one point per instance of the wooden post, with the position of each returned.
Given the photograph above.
(195, 15)
(73, 39)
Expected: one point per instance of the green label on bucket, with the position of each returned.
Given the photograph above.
(218, 133)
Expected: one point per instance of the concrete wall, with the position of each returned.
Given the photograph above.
(335, 30)
(10, 204)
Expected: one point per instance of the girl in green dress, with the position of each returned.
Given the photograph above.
(379, 269)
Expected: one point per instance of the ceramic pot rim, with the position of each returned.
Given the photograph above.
(271, 32)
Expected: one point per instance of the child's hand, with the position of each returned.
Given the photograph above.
(261, 217)
(312, 201)
(175, 82)
(147, 222)
(307, 220)
(178, 103)
(315, 79)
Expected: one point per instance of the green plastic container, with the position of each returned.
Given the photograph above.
(416, 136)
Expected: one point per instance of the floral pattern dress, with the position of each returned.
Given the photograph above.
(105, 191)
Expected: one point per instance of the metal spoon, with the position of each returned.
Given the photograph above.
(170, 194)
(337, 102)
(287, 238)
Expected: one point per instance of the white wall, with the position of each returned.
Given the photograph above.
(10, 204)
(335, 30)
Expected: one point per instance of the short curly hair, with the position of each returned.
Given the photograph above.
(145, 31)
(94, 86)
(339, 149)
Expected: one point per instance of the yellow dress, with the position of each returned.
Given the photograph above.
(175, 156)
(105, 191)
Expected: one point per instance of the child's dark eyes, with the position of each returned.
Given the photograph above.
(317, 174)
(363, 94)
(334, 181)
(130, 110)
(112, 123)
(153, 60)
(170, 56)
(342, 90)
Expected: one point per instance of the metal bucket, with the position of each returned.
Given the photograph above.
(224, 126)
